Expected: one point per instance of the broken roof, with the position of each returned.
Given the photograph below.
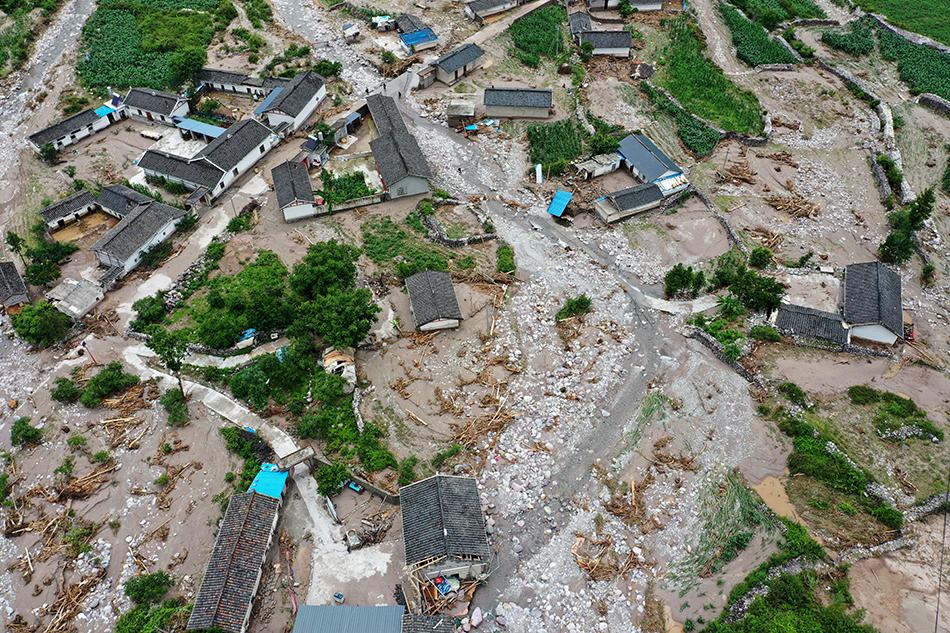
(137, 229)
(292, 184)
(198, 172)
(607, 39)
(347, 619)
(518, 97)
(230, 148)
(442, 517)
(152, 100)
(295, 96)
(479, 6)
(811, 323)
(75, 297)
(408, 23)
(64, 127)
(432, 297)
(68, 205)
(396, 151)
(459, 58)
(239, 551)
(872, 295)
(412, 623)
(579, 21)
(648, 159)
(120, 199)
(635, 197)
(12, 289)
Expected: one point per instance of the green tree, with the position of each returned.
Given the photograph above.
(148, 310)
(331, 477)
(760, 257)
(898, 247)
(42, 273)
(683, 281)
(184, 64)
(327, 266)
(342, 318)
(603, 144)
(22, 433)
(16, 244)
(171, 346)
(41, 324)
(49, 153)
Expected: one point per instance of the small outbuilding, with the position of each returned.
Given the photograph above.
(69, 209)
(579, 22)
(294, 191)
(148, 104)
(119, 200)
(432, 301)
(622, 204)
(599, 165)
(810, 324)
(607, 43)
(872, 302)
(480, 10)
(459, 112)
(75, 297)
(518, 103)
(13, 291)
(443, 528)
(74, 128)
(454, 65)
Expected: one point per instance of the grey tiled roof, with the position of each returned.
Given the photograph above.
(136, 229)
(395, 151)
(239, 552)
(811, 324)
(12, 289)
(442, 516)
(64, 127)
(297, 94)
(459, 58)
(347, 619)
(198, 172)
(121, 199)
(291, 184)
(579, 21)
(152, 100)
(215, 75)
(635, 197)
(649, 160)
(480, 6)
(518, 97)
(69, 204)
(432, 296)
(872, 294)
(241, 139)
(412, 623)
(607, 39)
(408, 23)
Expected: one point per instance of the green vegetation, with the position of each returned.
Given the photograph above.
(150, 614)
(894, 412)
(335, 423)
(806, 51)
(331, 478)
(794, 394)
(892, 172)
(327, 68)
(539, 34)
(173, 401)
(770, 13)
(682, 282)
(23, 434)
(858, 40)
(41, 324)
(343, 187)
(77, 442)
(574, 306)
(753, 45)
(443, 456)
(384, 242)
(148, 311)
(899, 244)
(505, 259)
(765, 333)
(100, 457)
(110, 380)
(920, 16)
(945, 183)
(407, 471)
(554, 145)
(922, 68)
(65, 390)
(4, 488)
(240, 223)
(724, 327)
(249, 447)
(148, 588)
(156, 44)
(755, 291)
(258, 12)
(701, 86)
(760, 257)
(44, 255)
(21, 26)
(695, 135)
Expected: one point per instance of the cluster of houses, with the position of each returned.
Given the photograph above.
(443, 531)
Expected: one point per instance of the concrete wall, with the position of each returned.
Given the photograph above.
(613, 52)
(876, 333)
(451, 78)
(72, 217)
(408, 186)
(603, 4)
(296, 212)
(129, 265)
(503, 112)
(438, 324)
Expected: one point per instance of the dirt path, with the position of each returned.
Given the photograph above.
(718, 39)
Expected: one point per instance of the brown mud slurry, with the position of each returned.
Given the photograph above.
(87, 226)
(772, 491)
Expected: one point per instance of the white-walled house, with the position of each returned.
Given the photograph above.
(288, 107)
(68, 210)
(148, 225)
(76, 127)
(229, 81)
(650, 164)
(872, 303)
(607, 43)
(432, 301)
(401, 165)
(294, 192)
(454, 65)
(518, 103)
(147, 104)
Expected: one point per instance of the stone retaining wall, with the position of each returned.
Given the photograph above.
(934, 102)
(913, 38)
(716, 348)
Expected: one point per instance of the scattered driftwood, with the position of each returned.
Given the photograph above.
(795, 204)
(781, 157)
(69, 603)
(172, 475)
(767, 237)
(133, 399)
(85, 486)
(738, 172)
(599, 559)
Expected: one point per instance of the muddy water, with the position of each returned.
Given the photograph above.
(61, 37)
(773, 493)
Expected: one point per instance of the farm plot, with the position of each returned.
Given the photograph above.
(555, 145)
(753, 45)
(922, 68)
(539, 34)
(771, 13)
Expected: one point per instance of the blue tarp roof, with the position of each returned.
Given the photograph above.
(269, 481)
(268, 100)
(104, 110)
(421, 36)
(200, 127)
(559, 202)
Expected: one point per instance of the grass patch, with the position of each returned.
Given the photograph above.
(701, 86)
(505, 259)
(555, 145)
(770, 13)
(920, 16)
(444, 456)
(695, 135)
(573, 307)
(896, 417)
(385, 242)
(753, 45)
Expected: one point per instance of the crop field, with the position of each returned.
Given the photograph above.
(753, 45)
(922, 68)
(695, 135)
(857, 40)
(770, 13)
(701, 86)
(155, 44)
(539, 34)
(555, 145)
(920, 16)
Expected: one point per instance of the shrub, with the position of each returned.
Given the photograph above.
(65, 391)
(574, 306)
(100, 457)
(407, 471)
(862, 394)
(331, 477)
(240, 223)
(443, 456)
(174, 403)
(794, 394)
(148, 588)
(110, 380)
(765, 333)
(328, 68)
(760, 257)
(682, 281)
(77, 442)
(153, 257)
(22, 433)
(339, 188)
(41, 324)
(505, 259)
(148, 311)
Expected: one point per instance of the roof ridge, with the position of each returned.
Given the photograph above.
(445, 533)
(227, 573)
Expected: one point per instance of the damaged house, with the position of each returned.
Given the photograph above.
(230, 81)
(627, 202)
(607, 43)
(648, 163)
(443, 528)
(115, 200)
(13, 291)
(518, 103)
(74, 128)
(399, 161)
(810, 324)
(432, 301)
(872, 302)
